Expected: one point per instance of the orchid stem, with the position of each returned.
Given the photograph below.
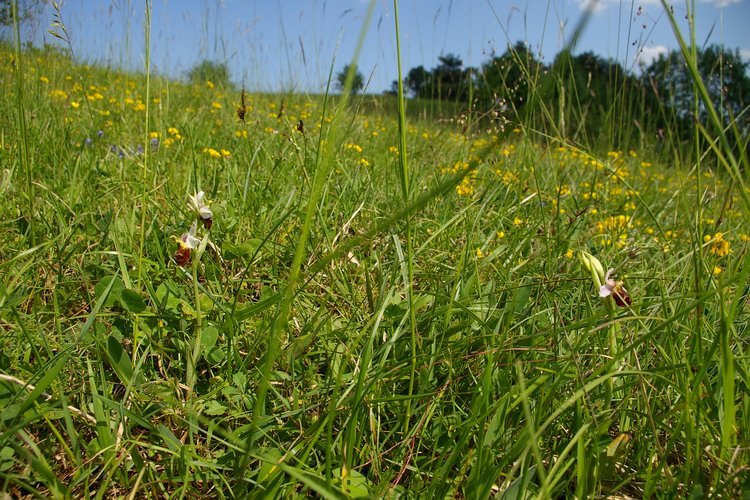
(192, 360)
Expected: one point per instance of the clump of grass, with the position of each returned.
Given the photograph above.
(391, 306)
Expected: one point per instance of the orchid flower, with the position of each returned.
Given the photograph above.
(615, 290)
(190, 240)
(187, 242)
(198, 204)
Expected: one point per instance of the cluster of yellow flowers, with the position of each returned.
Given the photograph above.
(507, 177)
(613, 224)
(465, 187)
(719, 246)
(216, 154)
(174, 136)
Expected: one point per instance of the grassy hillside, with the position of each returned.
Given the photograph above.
(351, 324)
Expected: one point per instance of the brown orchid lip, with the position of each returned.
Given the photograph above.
(621, 296)
(182, 256)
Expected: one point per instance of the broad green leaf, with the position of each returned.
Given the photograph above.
(215, 408)
(115, 286)
(119, 360)
(132, 301)
(209, 335)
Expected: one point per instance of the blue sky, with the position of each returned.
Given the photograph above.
(283, 45)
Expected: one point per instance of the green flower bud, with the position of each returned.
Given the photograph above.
(594, 267)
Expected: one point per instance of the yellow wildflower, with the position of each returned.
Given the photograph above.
(212, 152)
(719, 246)
(465, 188)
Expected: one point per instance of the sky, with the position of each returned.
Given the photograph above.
(291, 45)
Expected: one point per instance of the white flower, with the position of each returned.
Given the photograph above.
(609, 285)
(189, 240)
(198, 204)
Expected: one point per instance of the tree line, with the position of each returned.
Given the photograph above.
(585, 95)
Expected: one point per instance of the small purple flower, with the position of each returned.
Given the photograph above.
(88, 141)
(100, 133)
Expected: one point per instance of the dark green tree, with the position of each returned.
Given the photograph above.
(725, 76)
(206, 70)
(449, 80)
(393, 90)
(358, 81)
(418, 82)
(595, 98)
(505, 80)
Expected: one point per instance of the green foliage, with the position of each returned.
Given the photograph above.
(440, 338)
(587, 97)
(727, 80)
(506, 78)
(357, 80)
(418, 81)
(447, 81)
(28, 10)
(209, 71)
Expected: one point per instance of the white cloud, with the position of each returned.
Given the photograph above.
(647, 55)
(592, 5)
(722, 3)
(745, 54)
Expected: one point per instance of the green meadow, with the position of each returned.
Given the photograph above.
(378, 297)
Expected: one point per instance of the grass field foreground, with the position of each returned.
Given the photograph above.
(477, 360)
